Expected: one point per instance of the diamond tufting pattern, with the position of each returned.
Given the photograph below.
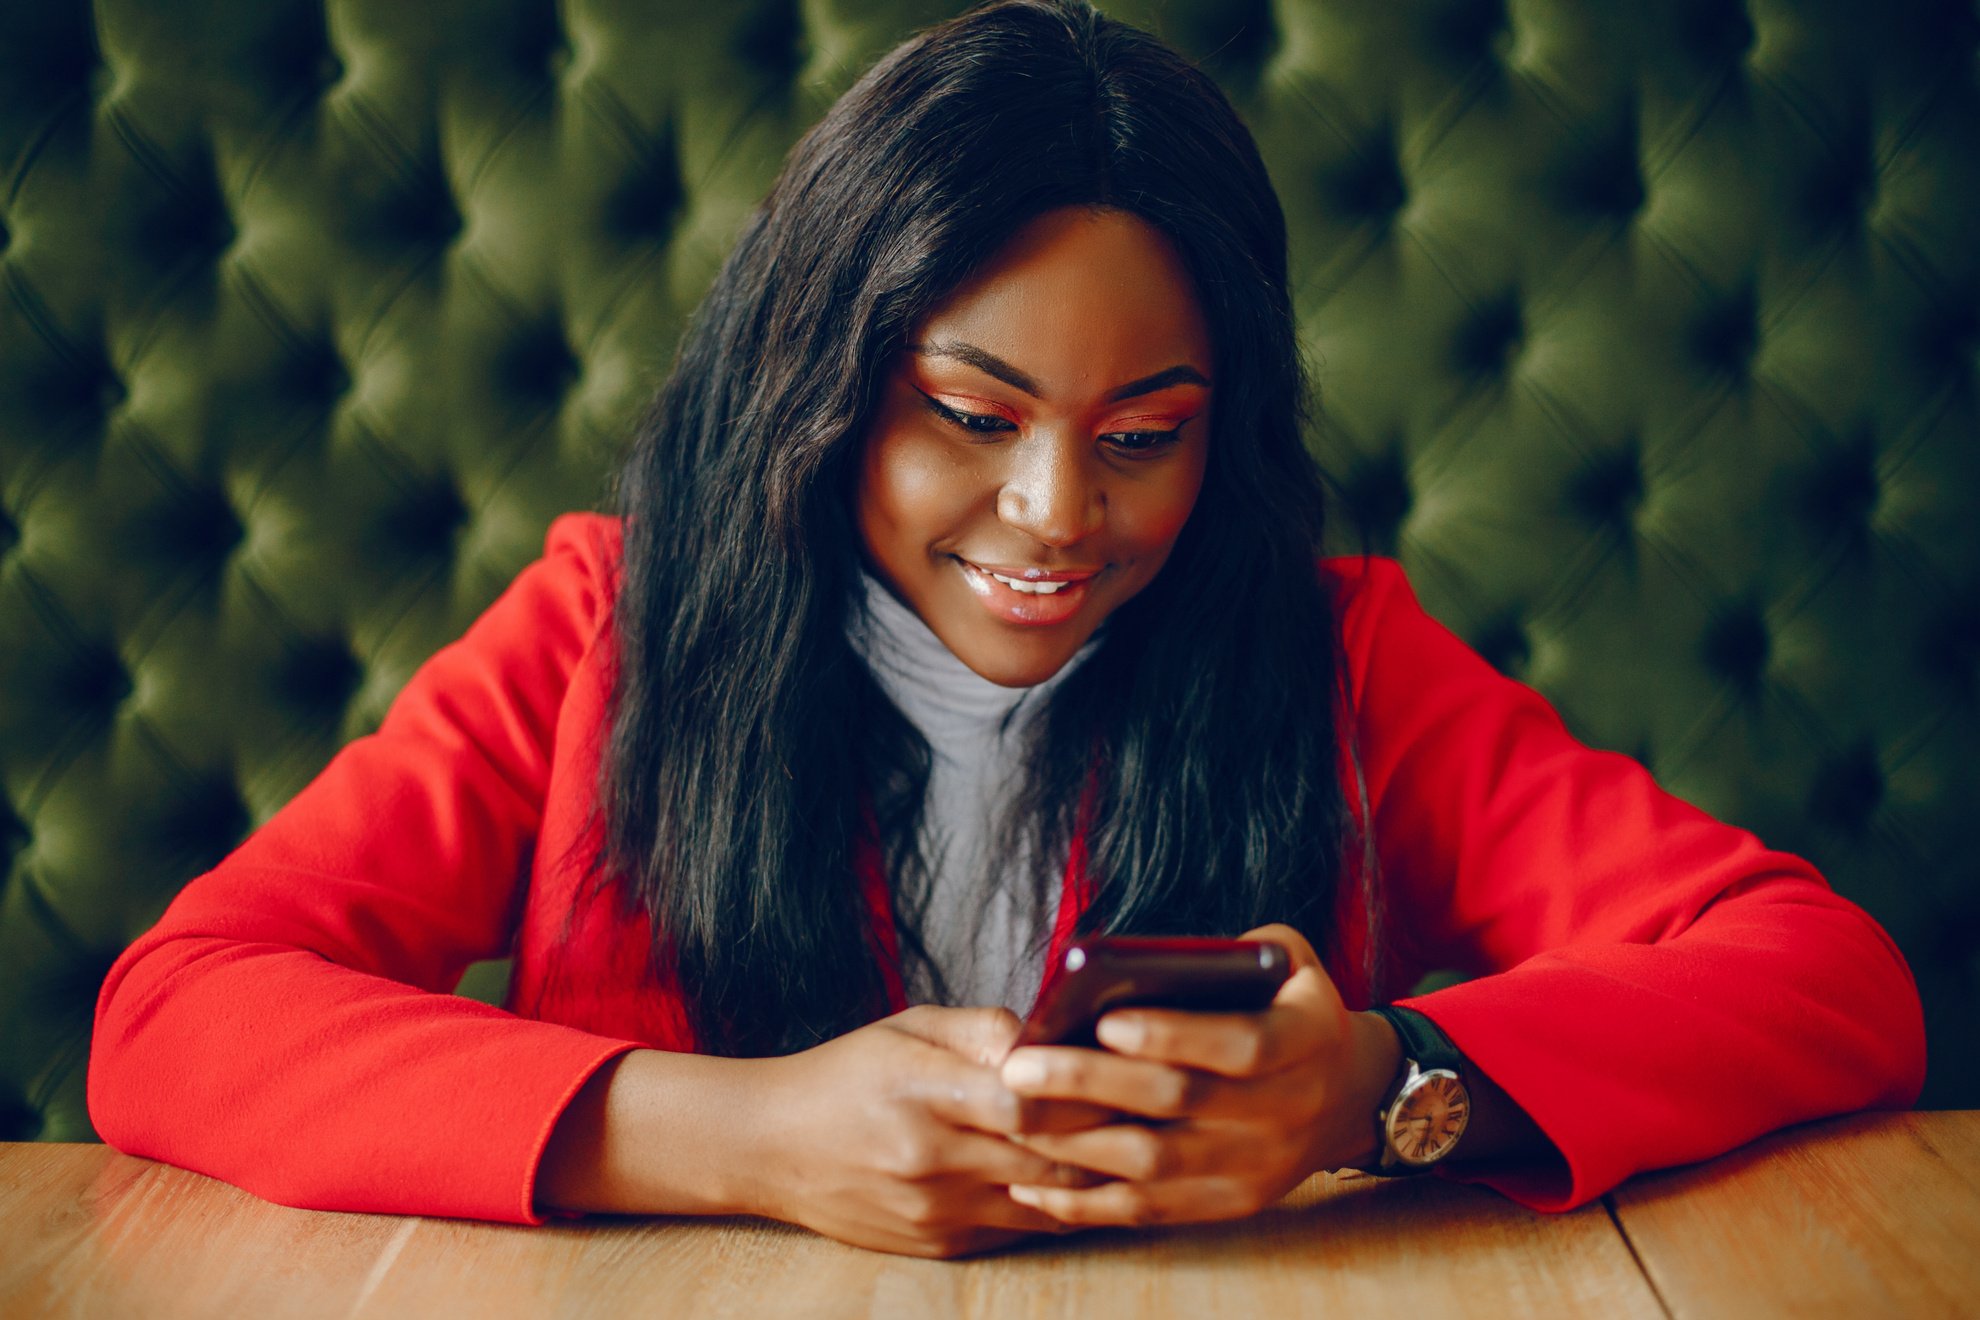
(1647, 336)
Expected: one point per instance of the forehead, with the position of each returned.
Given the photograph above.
(1081, 300)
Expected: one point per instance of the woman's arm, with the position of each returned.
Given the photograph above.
(1651, 986)
(895, 1136)
(285, 1025)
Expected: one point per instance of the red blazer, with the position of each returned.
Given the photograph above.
(1652, 986)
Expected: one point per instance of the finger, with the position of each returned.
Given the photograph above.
(992, 1207)
(983, 1160)
(1229, 1044)
(1096, 1077)
(1038, 1114)
(1300, 1022)
(1141, 1153)
(1184, 1200)
(1297, 946)
(959, 1093)
(981, 1035)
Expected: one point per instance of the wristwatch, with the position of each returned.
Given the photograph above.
(1426, 1110)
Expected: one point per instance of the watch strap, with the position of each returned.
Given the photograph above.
(1425, 1048)
(1422, 1039)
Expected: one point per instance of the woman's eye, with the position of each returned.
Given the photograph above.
(1143, 442)
(975, 423)
(1137, 443)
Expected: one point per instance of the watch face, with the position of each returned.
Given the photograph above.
(1428, 1117)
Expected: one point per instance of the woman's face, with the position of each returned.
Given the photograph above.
(1046, 425)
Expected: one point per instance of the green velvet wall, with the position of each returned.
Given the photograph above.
(1647, 334)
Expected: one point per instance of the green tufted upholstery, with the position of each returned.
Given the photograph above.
(1648, 335)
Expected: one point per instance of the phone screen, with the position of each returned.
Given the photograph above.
(1098, 975)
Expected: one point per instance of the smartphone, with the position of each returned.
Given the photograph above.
(1101, 974)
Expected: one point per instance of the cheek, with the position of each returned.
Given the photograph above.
(911, 495)
(1156, 515)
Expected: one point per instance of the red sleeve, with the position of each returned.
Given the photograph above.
(286, 1027)
(1652, 986)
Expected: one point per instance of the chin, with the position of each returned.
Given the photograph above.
(1016, 667)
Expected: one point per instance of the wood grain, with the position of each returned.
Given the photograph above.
(1348, 1243)
(1871, 1215)
(91, 1232)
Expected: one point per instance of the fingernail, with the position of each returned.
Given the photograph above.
(1123, 1034)
(1023, 1071)
(1030, 1196)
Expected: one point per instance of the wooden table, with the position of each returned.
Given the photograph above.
(1868, 1216)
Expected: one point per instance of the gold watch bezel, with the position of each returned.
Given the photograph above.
(1402, 1143)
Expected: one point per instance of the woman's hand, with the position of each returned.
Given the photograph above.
(897, 1136)
(1244, 1105)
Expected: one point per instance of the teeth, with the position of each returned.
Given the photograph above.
(1031, 588)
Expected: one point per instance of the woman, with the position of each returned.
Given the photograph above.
(964, 597)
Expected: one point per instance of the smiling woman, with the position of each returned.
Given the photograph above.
(1039, 446)
(963, 600)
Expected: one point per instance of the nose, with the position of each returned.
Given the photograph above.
(1051, 492)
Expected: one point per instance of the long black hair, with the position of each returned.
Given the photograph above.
(1196, 751)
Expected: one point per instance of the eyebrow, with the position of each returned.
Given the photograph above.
(992, 365)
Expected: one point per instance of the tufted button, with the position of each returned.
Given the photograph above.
(1606, 178)
(773, 39)
(645, 203)
(10, 534)
(329, 71)
(1377, 496)
(1951, 649)
(424, 525)
(538, 364)
(1486, 343)
(76, 383)
(6, 236)
(319, 675)
(1727, 334)
(1840, 195)
(1843, 493)
(1715, 31)
(424, 211)
(205, 827)
(1957, 942)
(18, 1121)
(1609, 491)
(1848, 789)
(1370, 186)
(1737, 646)
(1505, 646)
(1469, 30)
(536, 41)
(64, 57)
(1240, 41)
(1948, 336)
(201, 527)
(316, 374)
(13, 837)
(195, 220)
(95, 680)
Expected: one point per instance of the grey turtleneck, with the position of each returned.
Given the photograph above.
(980, 927)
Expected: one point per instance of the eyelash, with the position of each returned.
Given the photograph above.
(991, 424)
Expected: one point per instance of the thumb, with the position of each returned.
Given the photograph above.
(1295, 944)
(981, 1035)
(1309, 986)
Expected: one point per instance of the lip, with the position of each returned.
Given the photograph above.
(1022, 608)
(1036, 574)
